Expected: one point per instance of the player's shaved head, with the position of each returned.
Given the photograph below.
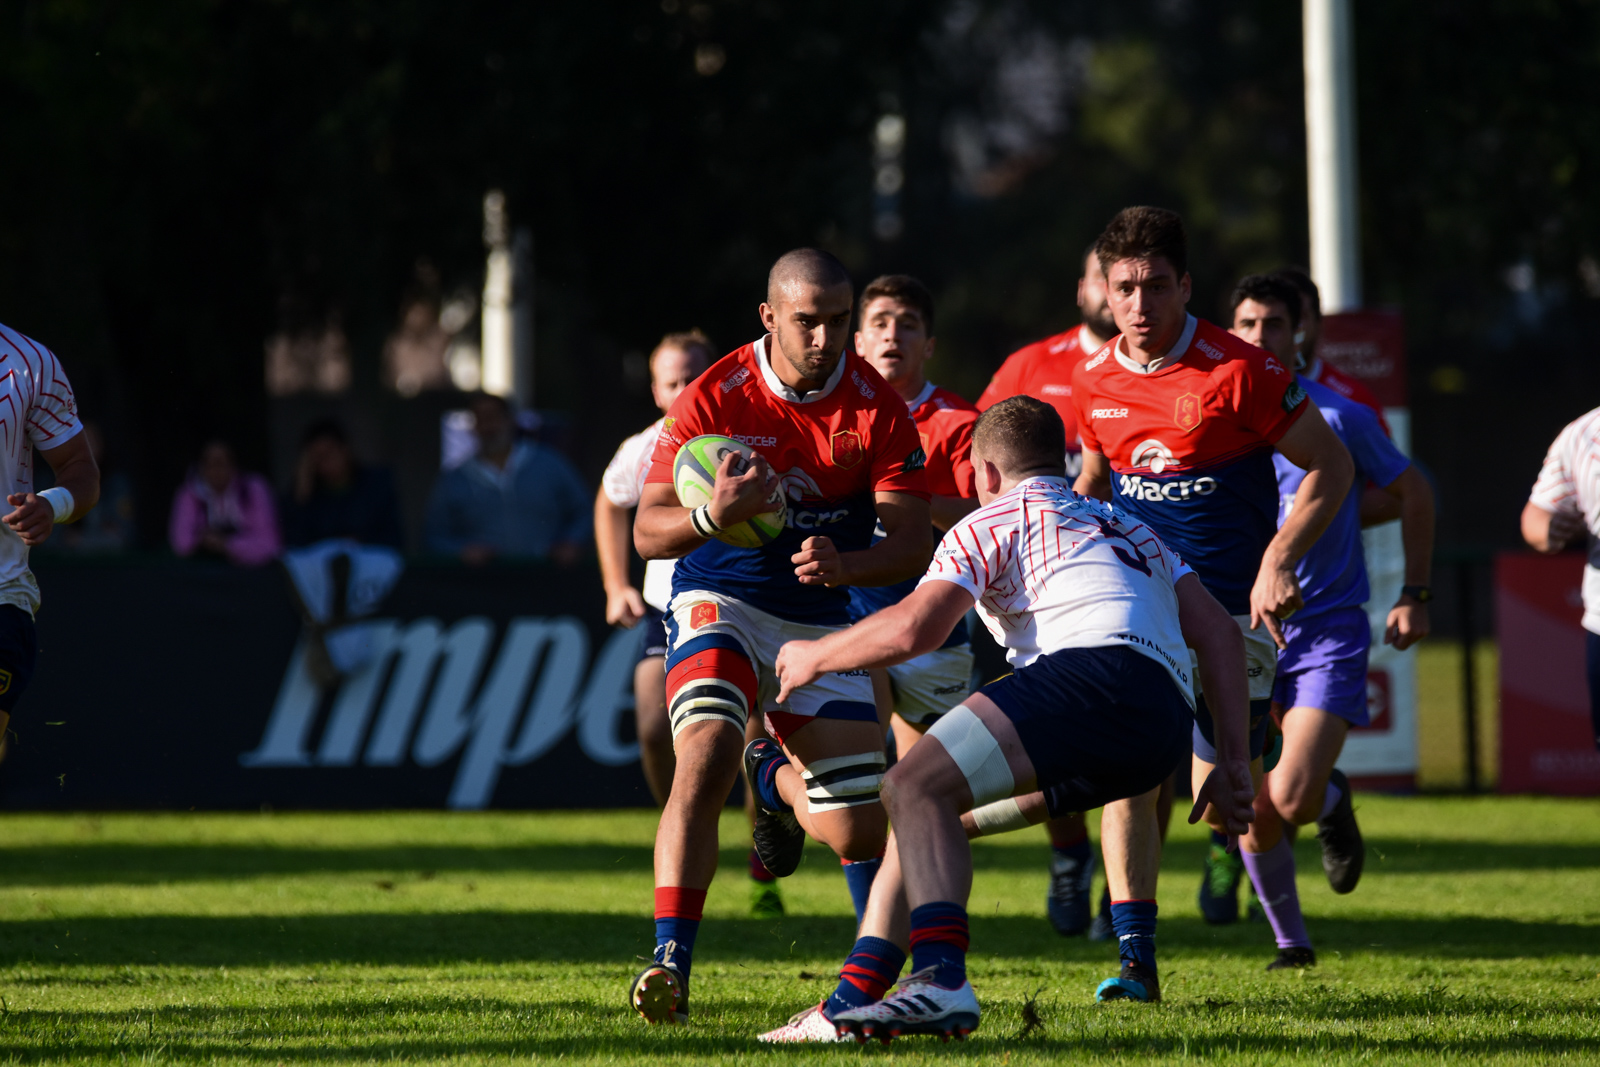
(1022, 436)
(804, 268)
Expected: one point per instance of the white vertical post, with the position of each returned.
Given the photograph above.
(1331, 154)
(499, 358)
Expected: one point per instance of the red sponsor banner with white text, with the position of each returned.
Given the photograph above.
(1546, 740)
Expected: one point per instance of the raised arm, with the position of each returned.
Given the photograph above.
(919, 623)
(1311, 445)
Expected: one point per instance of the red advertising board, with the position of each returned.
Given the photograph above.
(1546, 741)
(1370, 346)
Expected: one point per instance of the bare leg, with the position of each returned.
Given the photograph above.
(855, 833)
(686, 840)
(1130, 841)
(655, 728)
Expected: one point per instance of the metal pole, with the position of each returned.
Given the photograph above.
(1469, 683)
(1331, 154)
(499, 371)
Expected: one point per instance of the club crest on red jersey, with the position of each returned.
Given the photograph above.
(1186, 413)
(847, 450)
(702, 615)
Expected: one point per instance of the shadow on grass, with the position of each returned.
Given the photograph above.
(129, 864)
(434, 938)
(438, 1027)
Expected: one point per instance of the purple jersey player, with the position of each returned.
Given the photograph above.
(1321, 686)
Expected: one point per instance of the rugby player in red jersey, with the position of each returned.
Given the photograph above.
(842, 446)
(1043, 370)
(895, 335)
(1179, 420)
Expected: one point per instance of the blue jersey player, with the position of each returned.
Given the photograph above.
(1321, 687)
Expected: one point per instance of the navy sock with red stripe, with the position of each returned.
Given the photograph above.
(872, 967)
(939, 940)
(767, 781)
(678, 912)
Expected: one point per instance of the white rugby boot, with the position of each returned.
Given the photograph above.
(916, 1006)
(809, 1026)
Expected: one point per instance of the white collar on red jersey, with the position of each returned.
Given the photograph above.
(921, 398)
(1313, 370)
(1167, 360)
(783, 392)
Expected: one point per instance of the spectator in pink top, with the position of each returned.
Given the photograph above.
(223, 513)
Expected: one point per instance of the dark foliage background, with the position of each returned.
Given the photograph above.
(185, 177)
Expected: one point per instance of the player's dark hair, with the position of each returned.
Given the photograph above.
(324, 430)
(686, 341)
(905, 289)
(1263, 288)
(809, 266)
(1144, 233)
(482, 397)
(1300, 278)
(1021, 434)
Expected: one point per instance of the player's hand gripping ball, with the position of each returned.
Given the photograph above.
(694, 476)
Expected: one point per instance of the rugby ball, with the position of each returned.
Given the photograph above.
(694, 474)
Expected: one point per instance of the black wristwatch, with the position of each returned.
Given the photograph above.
(1420, 593)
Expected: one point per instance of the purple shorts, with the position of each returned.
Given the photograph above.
(1325, 665)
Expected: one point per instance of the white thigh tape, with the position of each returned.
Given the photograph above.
(843, 781)
(977, 753)
(1001, 817)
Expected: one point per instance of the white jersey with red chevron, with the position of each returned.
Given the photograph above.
(1051, 570)
(37, 410)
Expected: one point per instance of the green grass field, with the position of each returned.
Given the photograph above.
(330, 938)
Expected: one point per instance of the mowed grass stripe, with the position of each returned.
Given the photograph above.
(503, 936)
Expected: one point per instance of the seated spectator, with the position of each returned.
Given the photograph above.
(513, 500)
(334, 497)
(110, 527)
(224, 513)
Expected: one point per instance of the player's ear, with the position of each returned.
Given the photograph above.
(1186, 284)
(769, 317)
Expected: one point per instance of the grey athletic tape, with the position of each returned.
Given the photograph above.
(976, 752)
(843, 781)
(1001, 817)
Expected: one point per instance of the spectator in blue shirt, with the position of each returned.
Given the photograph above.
(513, 500)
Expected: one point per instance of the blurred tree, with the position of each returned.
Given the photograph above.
(189, 177)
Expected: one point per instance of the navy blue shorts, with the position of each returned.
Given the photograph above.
(1205, 742)
(1098, 724)
(19, 647)
(654, 625)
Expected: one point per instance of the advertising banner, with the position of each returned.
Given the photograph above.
(1546, 736)
(185, 685)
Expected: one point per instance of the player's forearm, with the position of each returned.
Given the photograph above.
(1220, 650)
(883, 639)
(949, 510)
(1416, 526)
(81, 478)
(663, 531)
(611, 541)
(903, 554)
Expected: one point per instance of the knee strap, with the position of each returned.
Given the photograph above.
(843, 781)
(715, 682)
(977, 753)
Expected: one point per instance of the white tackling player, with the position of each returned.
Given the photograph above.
(37, 410)
(1095, 613)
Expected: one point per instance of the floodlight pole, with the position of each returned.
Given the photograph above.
(499, 358)
(1331, 154)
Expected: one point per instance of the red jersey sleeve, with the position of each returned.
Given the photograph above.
(1082, 401)
(959, 444)
(1270, 400)
(686, 419)
(1004, 384)
(898, 460)
(949, 445)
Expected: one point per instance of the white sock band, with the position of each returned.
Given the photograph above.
(843, 781)
(1001, 817)
(60, 500)
(976, 752)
